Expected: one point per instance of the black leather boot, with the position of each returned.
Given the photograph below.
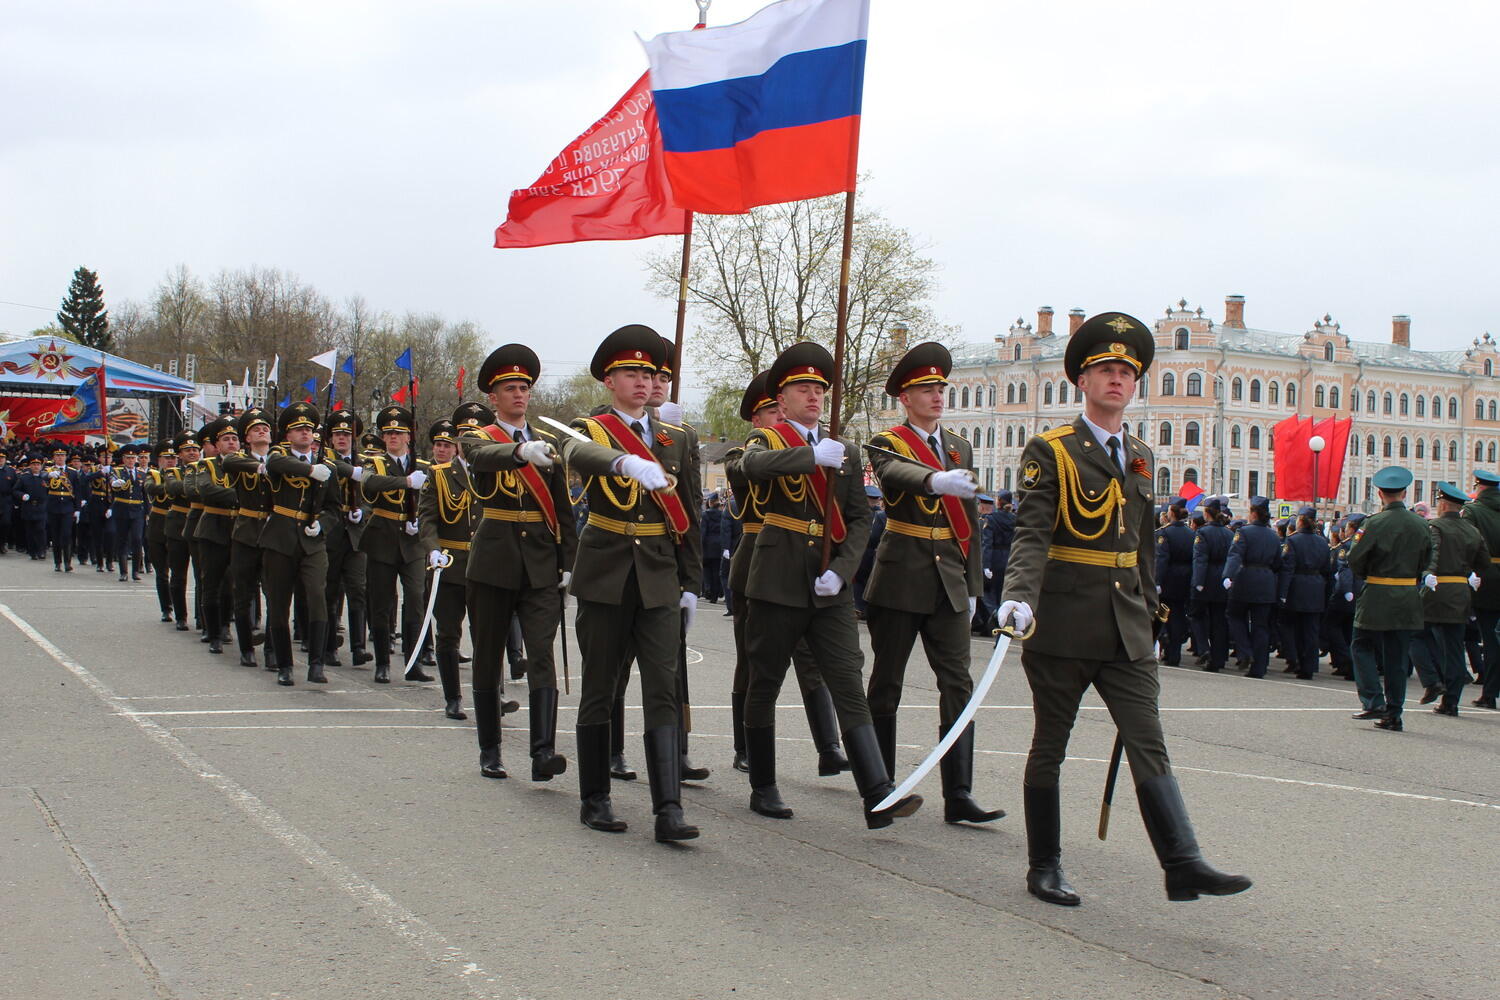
(737, 711)
(270, 651)
(885, 735)
(487, 725)
(690, 772)
(1171, 833)
(765, 797)
(618, 769)
(281, 638)
(1044, 878)
(242, 639)
(873, 780)
(664, 773)
(332, 643)
(823, 723)
(215, 630)
(546, 762)
(359, 652)
(596, 812)
(317, 638)
(957, 767)
(382, 640)
(453, 702)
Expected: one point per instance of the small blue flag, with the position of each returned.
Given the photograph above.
(348, 366)
(285, 402)
(311, 385)
(404, 361)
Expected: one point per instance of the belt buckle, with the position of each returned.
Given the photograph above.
(815, 529)
(630, 527)
(1120, 558)
(936, 533)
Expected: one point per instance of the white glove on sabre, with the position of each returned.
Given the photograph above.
(412, 527)
(320, 472)
(1349, 595)
(313, 530)
(1430, 581)
(829, 452)
(109, 513)
(416, 480)
(1474, 581)
(727, 554)
(438, 559)
(689, 606)
(670, 413)
(538, 453)
(76, 516)
(567, 578)
(649, 474)
(829, 584)
(1228, 583)
(357, 473)
(1018, 613)
(356, 515)
(953, 483)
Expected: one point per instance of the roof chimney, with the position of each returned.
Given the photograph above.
(1234, 311)
(1075, 320)
(1401, 331)
(1044, 321)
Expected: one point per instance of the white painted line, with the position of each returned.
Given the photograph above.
(268, 711)
(417, 932)
(68, 590)
(235, 694)
(456, 729)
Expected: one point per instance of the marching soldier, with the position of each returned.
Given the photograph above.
(1341, 603)
(523, 547)
(216, 494)
(637, 570)
(760, 409)
(447, 513)
(1174, 579)
(1390, 551)
(100, 511)
(791, 596)
(193, 489)
(346, 564)
(1457, 547)
(1210, 551)
(391, 481)
(1306, 579)
(929, 569)
(64, 506)
(188, 452)
(292, 544)
(1083, 558)
(8, 478)
(31, 487)
(128, 505)
(252, 508)
(163, 463)
(1250, 575)
(1484, 513)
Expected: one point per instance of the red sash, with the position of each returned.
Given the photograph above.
(958, 518)
(535, 486)
(668, 500)
(791, 437)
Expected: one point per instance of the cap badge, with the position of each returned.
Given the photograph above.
(1119, 323)
(1117, 347)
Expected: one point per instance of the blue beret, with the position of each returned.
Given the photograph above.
(1451, 492)
(1486, 476)
(1393, 477)
(1355, 518)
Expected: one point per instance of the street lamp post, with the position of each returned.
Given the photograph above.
(1317, 444)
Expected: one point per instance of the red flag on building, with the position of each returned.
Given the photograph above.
(608, 184)
(1335, 433)
(1294, 477)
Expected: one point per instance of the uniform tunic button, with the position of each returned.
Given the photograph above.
(937, 558)
(523, 534)
(640, 517)
(637, 541)
(811, 542)
(1117, 584)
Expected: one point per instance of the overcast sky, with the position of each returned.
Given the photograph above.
(1334, 157)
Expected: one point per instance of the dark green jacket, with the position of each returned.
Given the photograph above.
(213, 487)
(254, 493)
(384, 485)
(514, 554)
(448, 513)
(1457, 550)
(297, 502)
(1390, 551)
(1484, 513)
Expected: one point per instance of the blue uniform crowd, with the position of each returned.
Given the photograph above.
(81, 505)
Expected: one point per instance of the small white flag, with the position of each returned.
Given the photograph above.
(273, 378)
(328, 359)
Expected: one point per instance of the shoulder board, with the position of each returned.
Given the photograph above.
(675, 427)
(537, 431)
(422, 461)
(1132, 437)
(735, 452)
(1057, 432)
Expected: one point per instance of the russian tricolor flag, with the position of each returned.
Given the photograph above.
(763, 111)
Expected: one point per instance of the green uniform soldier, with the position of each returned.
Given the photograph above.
(346, 564)
(215, 491)
(1459, 557)
(1390, 551)
(1484, 513)
(929, 569)
(253, 506)
(448, 515)
(178, 553)
(1083, 557)
(792, 596)
(163, 460)
(760, 409)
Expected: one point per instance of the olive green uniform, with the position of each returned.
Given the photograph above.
(1390, 551)
(1458, 550)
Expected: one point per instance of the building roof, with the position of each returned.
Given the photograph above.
(51, 365)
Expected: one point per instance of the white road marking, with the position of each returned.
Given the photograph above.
(269, 711)
(420, 934)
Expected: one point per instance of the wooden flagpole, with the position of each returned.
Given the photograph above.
(836, 396)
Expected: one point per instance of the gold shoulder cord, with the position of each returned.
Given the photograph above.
(1071, 497)
(900, 447)
(449, 499)
(796, 492)
(601, 438)
(390, 496)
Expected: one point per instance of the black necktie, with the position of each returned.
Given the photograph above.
(1114, 452)
(810, 438)
(932, 443)
(640, 431)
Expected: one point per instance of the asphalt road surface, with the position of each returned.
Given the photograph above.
(174, 825)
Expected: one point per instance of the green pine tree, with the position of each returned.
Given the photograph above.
(83, 314)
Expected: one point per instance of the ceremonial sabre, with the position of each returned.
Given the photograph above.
(559, 425)
(1002, 645)
(416, 648)
(1109, 786)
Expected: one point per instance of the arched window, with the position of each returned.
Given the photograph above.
(1421, 405)
(1403, 450)
(1492, 409)
(1385, 447)
(1007, 477)
(1328, 351)
(1453, 451)
(1291, 394)
(1180, 340)
(1062, 392)
(1163, 481)
(1437, 450)
(1489, 367)
(1023, 392)
(1255, 390)
(1354, 444)
(1405, 405)
(1275, 394)
(1437, 407)
(1478, 409)
(1047, 394)
(1479, 451)
(952, 397)
(1255, 439)
(1452, 407)
(1195, 384)
(1370, 401)
(1333, 397)
(1354, 401)
(1370, 445)
(1421, 448)
(1010, 437)
(1164, 434)
(1168, 384)
(989, 437)
(1388, 402)
(1010, 393)
(1319, 398)
(1018, 352)
(1141, 388)
(1237, 389)
(964, 396)
(1492, 451)
(1192, 434)
(1234, 436)
(1190, 475)
(1270, 441)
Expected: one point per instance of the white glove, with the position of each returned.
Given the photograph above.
(109, 513)
(648, 473)
(989, 574)
(1200, 588)
(357, 473)
(1158, 589)
(321, 473)
(670, 413)
(973, 606)
(829, 584)
(118, 484)
(315, 529)
(412, 527)
(82, 504)
(416, 480)
(76, 516)
(54, 474)
(567, 578)
(1474, 581)
(437, 558)
(727, 554)
(1018, 613)
(1430, 581)
(829, 452)
(356, 515)
(1228, 583)
(953, 483)
(538, 453)
(689, 606)
(1349, 595)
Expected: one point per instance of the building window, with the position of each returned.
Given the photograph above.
(1195, 384)
(1023, 392)
(1328, 351)
(1437, 407)
(1479, 451)
(1478, 409)
(1492, 409)
(1234, 436)
(1047, 394)
(1164, 434)
(1492, 451)
(1354, 401)
(1291, 394)
(1418, 492)
(1370, 401)
(1018, 352)
(1437, 450)
(1255, 390)
(1168, 384)
(952, 397)
(1370, 445)
(989, 437)
(1388, 402)
(1255, 439)
(1163, 481)
(1062, 393)
(1254, 483)
(1143, 387)
(1007, 477)
(1405, 405)
(1010, 393)
(1237, 389)
(1333, 397)
(1453, 451)
(1190, 475)
(1192, 433)
(1354, 444)
(1010, 437)
(1234, 480)
(1421, 406)
(1453, 408)
(965, 397)
(1489, 367)
(1421, 448)
(1402, 449)
(1318, 397)
(1275, 394)
(1270, 441)
(1180, 341)
(1385, 448)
